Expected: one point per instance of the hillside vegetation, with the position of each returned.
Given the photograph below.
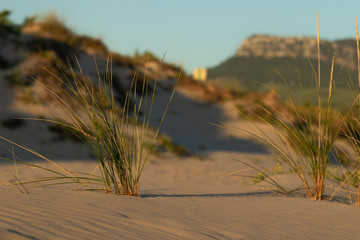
(263, 62)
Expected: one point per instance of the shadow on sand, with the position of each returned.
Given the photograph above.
(212, 195)
(190, 123)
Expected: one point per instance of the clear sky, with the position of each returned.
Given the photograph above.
(201, 32)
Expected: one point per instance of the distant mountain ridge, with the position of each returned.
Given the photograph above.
(264, 60)
(269, 47)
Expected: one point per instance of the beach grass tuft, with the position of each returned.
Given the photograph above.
(304, 142)
(352, 132)
(118, 134)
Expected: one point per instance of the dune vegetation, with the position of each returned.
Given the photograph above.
(115, 123)
(306, 135)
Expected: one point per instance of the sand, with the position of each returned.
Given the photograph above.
(181, 198)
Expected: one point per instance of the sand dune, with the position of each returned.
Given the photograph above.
(181, 199)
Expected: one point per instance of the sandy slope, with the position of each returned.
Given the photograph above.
(181, 199)
(185, 198)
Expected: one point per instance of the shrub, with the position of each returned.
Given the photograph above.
(7, 28)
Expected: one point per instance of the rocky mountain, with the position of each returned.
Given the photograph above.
(264, 60)
(270, 47)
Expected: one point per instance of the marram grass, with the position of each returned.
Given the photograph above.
(306, 143)
(118, 135)
(352, 133)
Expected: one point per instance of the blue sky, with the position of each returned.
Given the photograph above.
(201, 32)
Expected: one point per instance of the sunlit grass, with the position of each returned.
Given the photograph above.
(305, 142)
(118, 135)
(352, 132)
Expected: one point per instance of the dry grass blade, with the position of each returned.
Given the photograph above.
(352, 127)
(318, 46)
(59, 173)
(358, 68)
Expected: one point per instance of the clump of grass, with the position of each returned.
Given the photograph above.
(116, 135)
(53, 26)
(353, 177)
(305, 145)
(352, 132)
